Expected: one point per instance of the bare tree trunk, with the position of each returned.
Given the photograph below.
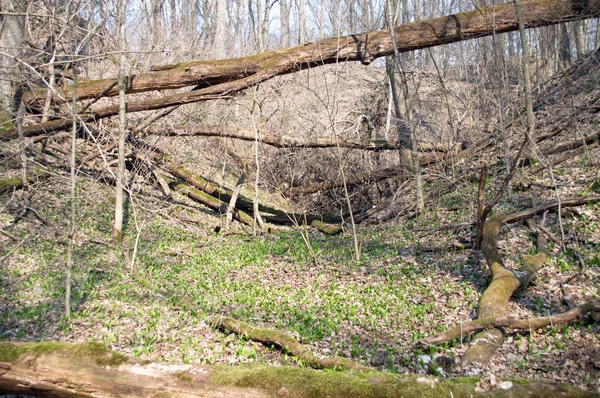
(11, 40)
(156, 27)
(284, 17)
(322, 19)
(221, 30)
(118, 231)
(565, 47)
(239, 28)
(301, 22)
(412, 142)
(264, 30)
(526, 76)
(71, 235)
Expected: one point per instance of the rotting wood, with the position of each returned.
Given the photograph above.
(16, 182)
(238, 74)
(88, 370)
(271, 337)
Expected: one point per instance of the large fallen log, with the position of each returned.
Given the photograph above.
(222, 78)
(550, 206)
(91, 370)
(281, 340)
(362, 178)
(283, 141)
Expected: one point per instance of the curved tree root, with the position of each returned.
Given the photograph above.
(270, 337)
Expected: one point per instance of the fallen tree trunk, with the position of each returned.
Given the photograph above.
(357, 179)
(16, 182)
(222, 78)
(550, 206)
(91, 370)
(494, 300)
(210, 201)
(577, 314)
(282, 141)
(270, 338)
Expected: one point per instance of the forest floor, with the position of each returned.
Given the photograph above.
(405, 286)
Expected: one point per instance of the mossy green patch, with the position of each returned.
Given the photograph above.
(183, 376)
(302, 382)
(10, 352)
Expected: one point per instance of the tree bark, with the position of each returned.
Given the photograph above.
(91, 370)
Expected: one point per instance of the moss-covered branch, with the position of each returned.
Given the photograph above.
(270, 337)
(494, 300)
(590, 309)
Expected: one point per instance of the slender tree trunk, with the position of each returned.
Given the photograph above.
(301, 22)
(11, 40)
(526, 76)
(221, 30)
(156, 28)
(412, 144)
(239, 28)
(71, 236)
(259, 27)
(565, 47)
(264, 30)
(253, 25)
(322, 19)
(118, 232)
(284, 17)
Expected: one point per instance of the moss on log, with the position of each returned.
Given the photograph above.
(16, 182)
(494, 300)
(210, 201)
(92, 370)
(327, 229)
(357, 47)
